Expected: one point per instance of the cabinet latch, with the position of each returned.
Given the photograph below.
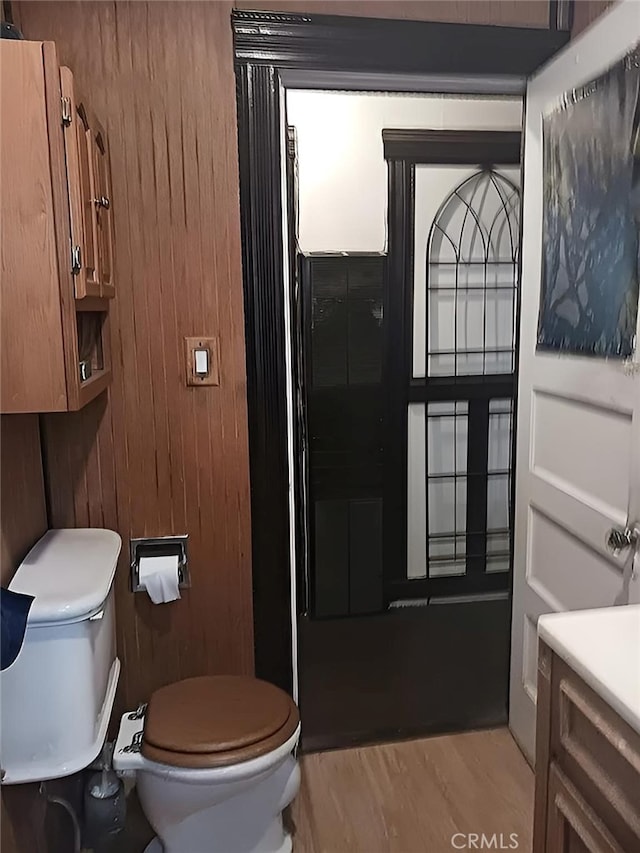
(66, 111)
(76, 260)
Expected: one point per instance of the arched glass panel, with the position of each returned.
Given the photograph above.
(466, 244)
(472, 267)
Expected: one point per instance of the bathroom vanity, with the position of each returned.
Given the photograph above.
(588, 732)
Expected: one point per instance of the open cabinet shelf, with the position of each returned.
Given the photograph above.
(92, 387)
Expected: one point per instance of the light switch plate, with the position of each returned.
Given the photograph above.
(211, 345)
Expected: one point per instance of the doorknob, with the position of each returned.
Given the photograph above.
(620, 538)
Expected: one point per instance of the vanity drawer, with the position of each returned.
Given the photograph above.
(573, 826)
(599, 752)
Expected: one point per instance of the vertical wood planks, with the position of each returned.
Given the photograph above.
(155, 457)
(23, 516)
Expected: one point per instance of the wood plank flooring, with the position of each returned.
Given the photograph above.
(407, 797)
(413, 796)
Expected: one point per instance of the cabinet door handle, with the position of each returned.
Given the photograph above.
(76, 260)
(103, 201)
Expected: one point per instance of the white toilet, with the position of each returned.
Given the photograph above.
(57, 696)
(213, 757)
(214, 764)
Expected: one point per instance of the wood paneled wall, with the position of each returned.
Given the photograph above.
(23, 515)
(156, 457)
(23, 520)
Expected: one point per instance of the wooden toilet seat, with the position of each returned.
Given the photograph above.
(215, 721)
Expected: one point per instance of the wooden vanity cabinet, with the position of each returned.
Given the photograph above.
(587, 768)
(57, 236)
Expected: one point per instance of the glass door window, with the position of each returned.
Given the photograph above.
(460, 411)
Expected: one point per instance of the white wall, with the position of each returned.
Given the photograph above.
(342, 172)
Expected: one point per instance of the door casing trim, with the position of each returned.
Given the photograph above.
(265, 44)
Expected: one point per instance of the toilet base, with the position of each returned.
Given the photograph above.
(156, 846)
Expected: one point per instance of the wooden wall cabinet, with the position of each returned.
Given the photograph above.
(89, 187)
(587, 768)
(57, 236)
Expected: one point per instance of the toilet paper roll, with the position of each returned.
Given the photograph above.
(159, 576)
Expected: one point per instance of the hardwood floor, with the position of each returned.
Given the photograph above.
(407, 797)
(412, 797)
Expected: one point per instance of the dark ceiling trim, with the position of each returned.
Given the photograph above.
(485, 85)
(452, 146)
(341, 43)
(561, 14)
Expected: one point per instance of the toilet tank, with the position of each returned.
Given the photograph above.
(57, 696)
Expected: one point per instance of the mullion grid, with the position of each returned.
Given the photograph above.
(476, 477)
(500, 412)
(455, 411)
(484, 180)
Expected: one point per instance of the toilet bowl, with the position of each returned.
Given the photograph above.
(214, 765)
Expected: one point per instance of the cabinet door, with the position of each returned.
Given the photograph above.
(81, 181)
(102, 201)
(572, 825)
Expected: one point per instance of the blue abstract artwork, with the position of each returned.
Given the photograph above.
(591, 217)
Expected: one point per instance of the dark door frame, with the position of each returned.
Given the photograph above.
(265, 45)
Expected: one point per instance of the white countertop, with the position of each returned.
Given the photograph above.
(603, 647)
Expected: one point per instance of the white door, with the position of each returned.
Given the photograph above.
(578, 445)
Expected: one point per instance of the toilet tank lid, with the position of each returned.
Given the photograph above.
(69, 572)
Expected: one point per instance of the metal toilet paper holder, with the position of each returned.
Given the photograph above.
(160, 546)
